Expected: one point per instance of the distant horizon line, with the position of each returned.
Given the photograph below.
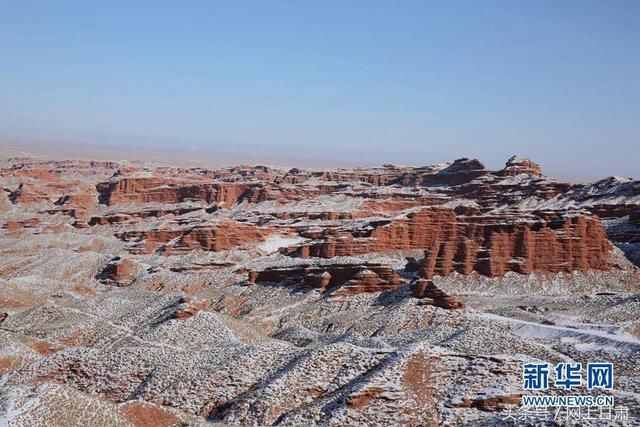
(209, 159)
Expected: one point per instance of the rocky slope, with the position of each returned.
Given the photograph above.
(137, 294)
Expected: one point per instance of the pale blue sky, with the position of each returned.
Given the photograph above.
(362, 82)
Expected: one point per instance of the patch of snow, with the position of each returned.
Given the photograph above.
(537, 330)
(521, 179)
(460, 202)
(275, 242)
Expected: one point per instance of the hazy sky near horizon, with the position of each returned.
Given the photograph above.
(361, 82)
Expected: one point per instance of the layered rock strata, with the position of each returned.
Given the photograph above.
(218, 236)
(490, 245)
(343, 279)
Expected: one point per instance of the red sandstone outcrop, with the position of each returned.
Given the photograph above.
(31, 181)
(339, 279)
(422, 288)
(157, 189)
(36, 192)
(118, 272)
(493, 246)
(347, 354)
(495, 189)
(14, 225)
(51, 169)
(218, 236)
(136, 216)
(416, 231)
(379, 176)
(377, 205)
(83, 197)
(518, 165)
(490, 245)
(78, 203)
(223, 236)
(368, 281)
(459, 172)
(72, 198)
(464, 237)
(189, 309)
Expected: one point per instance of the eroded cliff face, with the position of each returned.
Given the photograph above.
(488, 244)
(492, 246)
(464, 217)
(152, 189)
(256, 295)
(176, 238)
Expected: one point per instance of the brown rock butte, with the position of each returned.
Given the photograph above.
(338, 279)
(516, 166)
(423, 288)
(118, 272)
